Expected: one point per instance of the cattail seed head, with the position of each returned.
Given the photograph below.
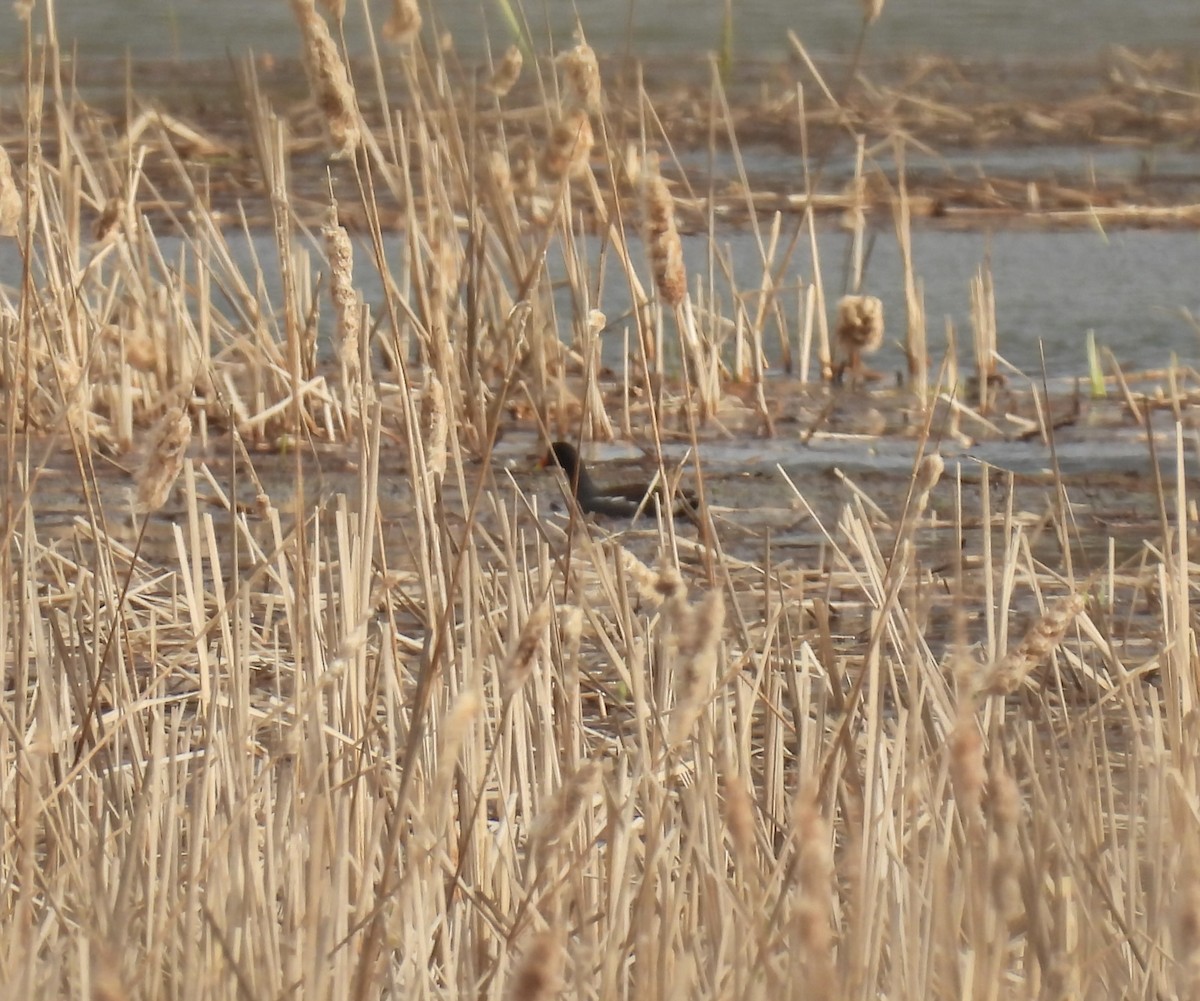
(559, 814)
(340, 252)
(698, 635)
(164, 460)
(328, 79)
(662, 238)
(10, 198)
(538, 976)
(433, 417)
(859, 324)
(968, 775)
(581, 73)
(519, 665)
(507, 72)
(569, 146)
(1043, 638)
(404, 24)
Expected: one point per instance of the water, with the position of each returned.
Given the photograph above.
(1134, 288)
(978, 28)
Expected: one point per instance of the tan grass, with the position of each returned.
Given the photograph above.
(351, 718)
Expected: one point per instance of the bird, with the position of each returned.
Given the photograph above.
(621, 501)
(859, 332)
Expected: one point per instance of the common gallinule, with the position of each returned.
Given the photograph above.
(621, 501)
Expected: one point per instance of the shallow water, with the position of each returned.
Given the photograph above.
(1134, 288)
(980, 28)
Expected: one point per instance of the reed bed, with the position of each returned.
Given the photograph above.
(264, 738)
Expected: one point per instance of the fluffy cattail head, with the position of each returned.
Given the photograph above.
(519, 665)
(859, 324)
(538, 976)
(328, 79)
(569, 146)
(698, 636)
(662, 237)
(1044, 636)
(507, 72)
(164, 459)
(10, 198)
(405, 22)
(581, 73)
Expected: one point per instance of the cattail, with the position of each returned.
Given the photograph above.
(498, 173)
(968, 775)
(405, 23)
(433, 417)
(569, 146)
(10, 197)
(1043, 638)
(23, 9)
(666, 249)
(507, 73)
(538, 976)
(328, 79)
(452, 734)
(340, 252)
(108, 224)
(698, 634)
(811, 920)
(517, 668)
(859, 328)
(559, 814)
(1004, 812)
(164, 459)
(581, 72)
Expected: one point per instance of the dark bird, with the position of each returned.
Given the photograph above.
(621, 501)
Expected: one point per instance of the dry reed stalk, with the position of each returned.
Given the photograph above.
(23, 10)
(336, 8)
(662, 238)
(328, 79)
(871, 10)
(10, 198)
(1042, 639)
(859, 330)
(582, 77)
(569, 146)
(507, 72)
(404, 23)
(164, 459)
(739, 817)
(697, 632)
(519, 665)
(539, 974)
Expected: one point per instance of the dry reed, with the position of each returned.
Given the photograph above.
(319, 735)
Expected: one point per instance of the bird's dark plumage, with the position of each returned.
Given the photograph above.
(620, 501)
